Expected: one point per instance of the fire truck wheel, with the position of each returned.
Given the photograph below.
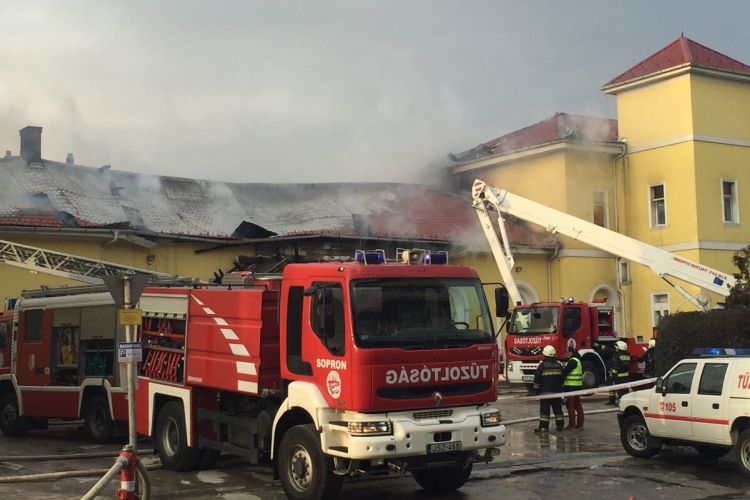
(591, 377)
(171, 439)
(636, 439)
(97, 422)
(742, 452)
(305, 472)
(443, 479)
(11, 422)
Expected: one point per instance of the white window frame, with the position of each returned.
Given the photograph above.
(652, 223)
(623, 271)
(735, 215)
(605, 207)
(655, 309)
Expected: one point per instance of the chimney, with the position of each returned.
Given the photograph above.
(31, 144)
(7, 153)
(69, 159)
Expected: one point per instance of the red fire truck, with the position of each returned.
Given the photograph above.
(566, 322)
(326, 370)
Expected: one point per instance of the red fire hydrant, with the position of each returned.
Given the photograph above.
(127, 474)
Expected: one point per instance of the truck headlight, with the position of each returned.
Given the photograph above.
(491, 419)
(510, 367)
(370, 428)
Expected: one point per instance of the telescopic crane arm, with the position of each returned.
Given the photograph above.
(665, 264)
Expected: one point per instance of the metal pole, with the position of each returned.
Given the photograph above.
(129, 337)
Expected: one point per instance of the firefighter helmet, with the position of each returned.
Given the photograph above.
(549, 351)
(652, 343)
(621, 346)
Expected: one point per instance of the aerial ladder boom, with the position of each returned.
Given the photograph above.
(665, 264)
(65, 265)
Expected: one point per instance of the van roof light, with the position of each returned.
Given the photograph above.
(720, 351)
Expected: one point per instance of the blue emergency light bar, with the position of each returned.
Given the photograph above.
(720, 351)
(420, 256)
(370, 257)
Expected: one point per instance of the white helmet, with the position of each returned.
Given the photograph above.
(621, 346)
(549, 351)
(652, 343)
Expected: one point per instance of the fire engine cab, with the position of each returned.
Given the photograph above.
(703, 402)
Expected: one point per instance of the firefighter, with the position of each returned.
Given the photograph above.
(548, 379)
(649, 370)
(619, 371)
(573, 381)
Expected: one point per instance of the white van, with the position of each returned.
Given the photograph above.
(703, 402)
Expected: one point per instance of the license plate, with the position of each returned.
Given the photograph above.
(441, 447)
(527, 378)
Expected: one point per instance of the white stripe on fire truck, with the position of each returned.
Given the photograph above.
(239, 350)
(246, 368)
(229, 334)
(208, 310)
(247, 386)
(220, 321)
(197, 300)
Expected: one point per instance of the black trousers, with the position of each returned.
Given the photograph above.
(556, 405)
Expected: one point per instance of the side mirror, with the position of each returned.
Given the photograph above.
(501, 302)
(659, 386)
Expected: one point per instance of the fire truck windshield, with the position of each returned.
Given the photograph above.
(429, 313)
(532, 320)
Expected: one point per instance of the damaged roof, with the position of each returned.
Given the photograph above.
(561, 127)
(50, 194)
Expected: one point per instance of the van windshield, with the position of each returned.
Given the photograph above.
(435, 313)
(530, 320)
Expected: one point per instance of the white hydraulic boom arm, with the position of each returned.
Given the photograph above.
(661, 262)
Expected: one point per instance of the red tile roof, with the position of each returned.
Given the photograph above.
(680, 52)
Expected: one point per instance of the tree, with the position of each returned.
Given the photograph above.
(739, 294)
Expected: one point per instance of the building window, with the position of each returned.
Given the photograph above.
(659, 306)
(658, 205)
(729, 201)
(600, 209)
(624, 271)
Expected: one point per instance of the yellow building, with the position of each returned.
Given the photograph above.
(667, 172)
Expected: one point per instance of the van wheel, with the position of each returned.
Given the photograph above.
(306, 473)
(443, 479)
(636, 439)
(97, 421)
(743, 452)
(11, 422)
(170, 439)
(711, 452)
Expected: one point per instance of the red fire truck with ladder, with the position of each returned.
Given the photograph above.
(324, 371)
(580, 324)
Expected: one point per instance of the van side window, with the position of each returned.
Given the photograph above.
(712, 379)
(4, 333)
(34, 325)
(681, 379)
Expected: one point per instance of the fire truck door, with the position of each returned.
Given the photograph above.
(34, 347)
(324, 343)
(5, 340)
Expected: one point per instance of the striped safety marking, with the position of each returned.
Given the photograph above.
(238, 349)
(699, 420)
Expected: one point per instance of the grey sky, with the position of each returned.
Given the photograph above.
(320, 91)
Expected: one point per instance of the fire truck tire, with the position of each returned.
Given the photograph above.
(742, 452)
(171, 439)
(306, 473)
(97, 421)
(591, 376)
(11, 422)
(443, 479)
(636, 439)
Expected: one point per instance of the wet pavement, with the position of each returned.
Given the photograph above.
(581, 464)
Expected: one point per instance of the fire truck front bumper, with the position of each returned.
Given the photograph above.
(427, 432)
(521, 372)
